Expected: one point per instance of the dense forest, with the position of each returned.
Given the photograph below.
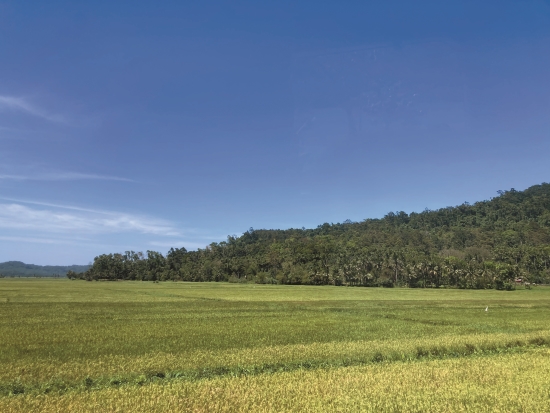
(20, 269)
(490, 244)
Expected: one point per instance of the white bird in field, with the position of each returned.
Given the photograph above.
(487, 308)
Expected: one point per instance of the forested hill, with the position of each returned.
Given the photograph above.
(20, 269)
(489, 244)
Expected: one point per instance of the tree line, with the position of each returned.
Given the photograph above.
(490, 244)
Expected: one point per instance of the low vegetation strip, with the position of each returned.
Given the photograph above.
(378, 354)
(19, 378)
(499, 383)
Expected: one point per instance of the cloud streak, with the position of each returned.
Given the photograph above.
(21, 105)
(62, 176)
(73, 220)
(35, 240)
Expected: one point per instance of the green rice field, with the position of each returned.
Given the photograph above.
(202, 347)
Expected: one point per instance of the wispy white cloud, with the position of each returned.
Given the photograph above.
(53, 241)
(49, 204)
(61, 176)
(73, 220)
(36, 240)
(22, 105)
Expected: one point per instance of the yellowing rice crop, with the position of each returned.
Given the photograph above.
(124, 346)
(503, 383)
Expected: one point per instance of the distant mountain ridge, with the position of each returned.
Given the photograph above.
(18, 268)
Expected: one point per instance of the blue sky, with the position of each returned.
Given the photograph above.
(145, 125)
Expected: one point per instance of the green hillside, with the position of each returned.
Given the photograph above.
(20, 269)
(489, 244)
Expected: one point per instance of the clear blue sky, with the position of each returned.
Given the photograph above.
(144, 125)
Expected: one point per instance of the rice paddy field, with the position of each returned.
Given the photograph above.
(204, 347)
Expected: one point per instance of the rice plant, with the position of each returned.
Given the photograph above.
(131, 346)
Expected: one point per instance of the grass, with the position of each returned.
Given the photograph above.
(125, 344)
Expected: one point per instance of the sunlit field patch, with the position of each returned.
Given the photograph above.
(131, 346)
(502, 383)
